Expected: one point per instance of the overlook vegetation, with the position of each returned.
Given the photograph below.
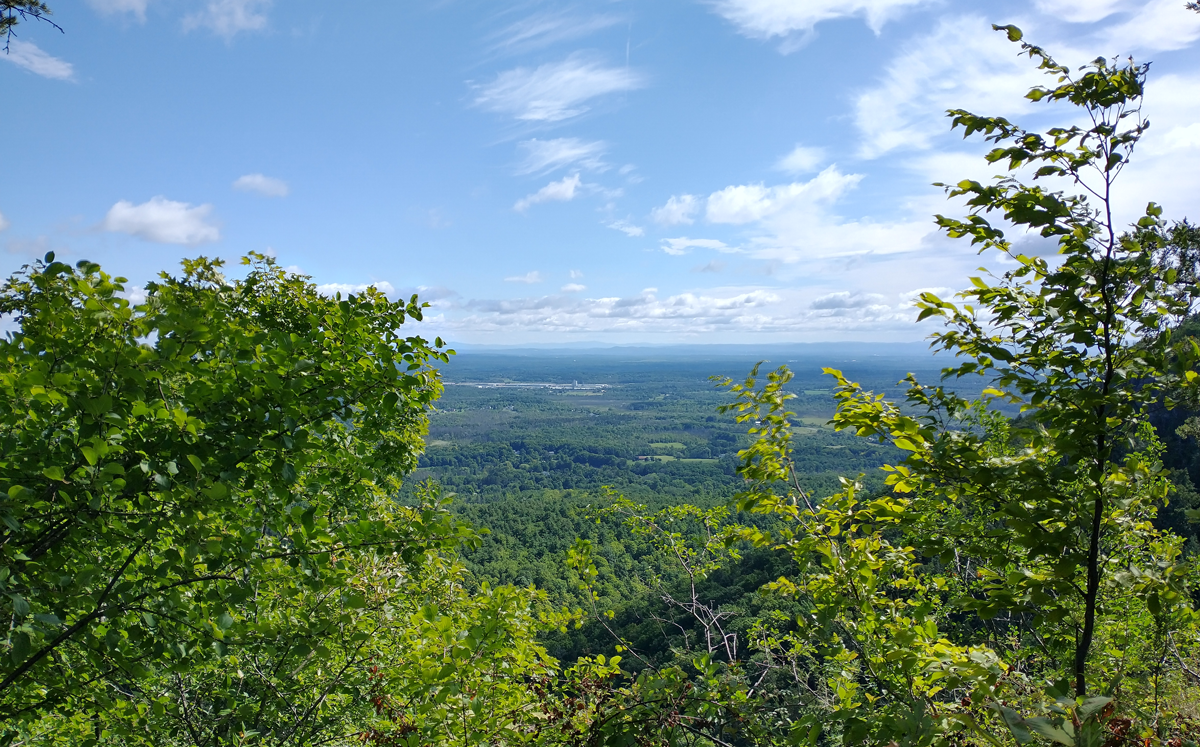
(243, 513)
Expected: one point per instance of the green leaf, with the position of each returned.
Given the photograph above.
(1059, 731)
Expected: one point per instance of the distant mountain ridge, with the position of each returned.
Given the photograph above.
(770, 350)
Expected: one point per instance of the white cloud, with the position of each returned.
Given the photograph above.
(228, 17)
(846, 300)
(1079, 11)
(163, 221)
(752, 202)
(4, 224)
(765, 19)
(562, 190)
(528, 278)
(683, 244)
(544, 29)
(543, 156)
(627, 228)
(678, 210)
(1155, 26)
(137, 8)
(963, 64)
(346, 289)
(801, 160)
(573, 288)
(575, 274)
(268, 186)
(29, 56)
(134, 294)
(554, 91)
(1163, 168)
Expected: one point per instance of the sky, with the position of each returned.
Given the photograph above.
(675, 171)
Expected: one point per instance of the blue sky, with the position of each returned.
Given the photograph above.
(668, 171)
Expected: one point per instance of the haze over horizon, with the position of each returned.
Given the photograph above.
(545, 172)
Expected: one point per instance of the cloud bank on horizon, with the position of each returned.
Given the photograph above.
(721, 171)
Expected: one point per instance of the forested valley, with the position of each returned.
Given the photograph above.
(241, 512)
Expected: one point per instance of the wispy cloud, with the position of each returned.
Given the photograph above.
(4, 224)
(554, 91)
(962, 64)
(136, 8)
(683, 245)
(29, 56)
(545, 29)
(765, 19)
(1155, 26)
(267, 186)
(627, 228)
(528, 278)
(163, 221)
(227, 18)
(714, 265)
(576, 274)
(562, 190)
(544, 156)
(678, 211)
(573, 288)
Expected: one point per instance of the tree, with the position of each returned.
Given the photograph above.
(159, 461)
(13, 12)
(1039, 530)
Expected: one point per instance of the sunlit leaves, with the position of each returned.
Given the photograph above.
(154, 456)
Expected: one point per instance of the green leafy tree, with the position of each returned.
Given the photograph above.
(160, 461)
(1040, 531)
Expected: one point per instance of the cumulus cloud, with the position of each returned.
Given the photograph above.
(528, 278)
(573, 288)
(801, 160)
(714, 314)
(765, 19)
(846, 300)
(798, 222)
(556, 90)
(747, 203)
(268, 186)
(29, 56)
(136, 8)
(346, 289)
(678, 211)
(227, 18)
(562, 190)
(683, 245)
(163, 221)
(627, 228)
(544, 156)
